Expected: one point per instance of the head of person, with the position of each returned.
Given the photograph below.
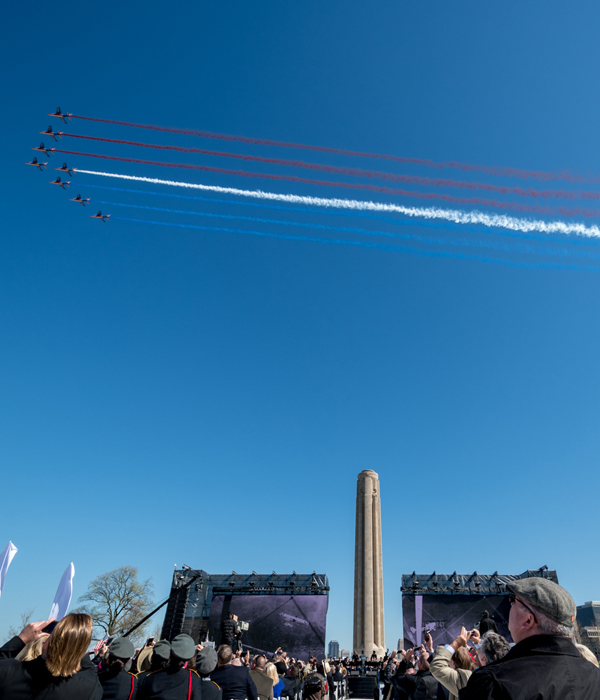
(462, 659)
(540, 606)
(484, 614)
(259, 662)
(206, 661)
(423, 663)
(493, 648)
(183, 648)
(161, 654)
(587, 654)
(32, 649)
(271, 671)
(67, 644)
(224, 654)
(119, 654)
(281, 668)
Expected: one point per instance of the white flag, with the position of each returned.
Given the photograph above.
(5, 558)
(62, 599)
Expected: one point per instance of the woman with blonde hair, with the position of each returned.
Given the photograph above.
(32, 649)
(271, 671)
(66, 673)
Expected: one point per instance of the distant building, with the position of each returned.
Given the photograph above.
(344, 654)
(588, 621)
(334, 649)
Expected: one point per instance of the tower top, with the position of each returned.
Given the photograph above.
(368, 472)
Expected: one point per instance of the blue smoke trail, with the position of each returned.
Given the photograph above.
(366, 215)
(364, 244)
(346, 229)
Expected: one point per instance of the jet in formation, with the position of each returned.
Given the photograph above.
(54, 134)
(37, 164)
(80, 199)
(66, 169)
(100, 215)
(43, 149)
(60, 115)
(60, 182)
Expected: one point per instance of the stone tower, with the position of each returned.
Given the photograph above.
(368, 571)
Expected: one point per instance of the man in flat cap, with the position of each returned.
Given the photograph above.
(544, 664)
(174, 682)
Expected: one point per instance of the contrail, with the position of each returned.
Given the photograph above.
(455, 215)
(364, 244)
(359, 172)
(447, 225)
(513, 206)
(539, 175)
(474, 243)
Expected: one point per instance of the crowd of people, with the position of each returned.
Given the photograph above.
(544, 662)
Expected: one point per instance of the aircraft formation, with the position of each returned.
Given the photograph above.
(47, 151)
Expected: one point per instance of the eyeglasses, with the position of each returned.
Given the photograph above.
(513, 598)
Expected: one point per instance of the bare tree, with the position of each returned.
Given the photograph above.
(25, 618)
(117, 601)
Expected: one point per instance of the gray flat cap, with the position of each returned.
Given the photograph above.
(546, 596)
(183, 647)
(206, 661)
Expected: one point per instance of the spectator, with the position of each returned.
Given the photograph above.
(174, 682)
(29, 633)
(117, 683)
(206, 663)
(544, 662)
(263, 683)
(62, 672)
(493, 648)
(486, 624)
(271, 672)
(32, 649)
(453, 668)
(587, 654)
(235, 682)
(314, 686)
(161, 652)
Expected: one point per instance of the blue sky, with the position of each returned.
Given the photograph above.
(170, 395)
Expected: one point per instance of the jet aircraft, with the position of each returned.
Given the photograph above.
(60, 115)
(65, 169)
(54, 134)
(100, 215)
(80, 199)
(43, 149)
(58, 181)
(37, 164)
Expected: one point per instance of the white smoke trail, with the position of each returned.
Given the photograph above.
(455, 215)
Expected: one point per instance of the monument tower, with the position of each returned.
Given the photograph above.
(368, 571)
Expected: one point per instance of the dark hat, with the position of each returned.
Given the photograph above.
(206, 661)
(183, 647)
(121, 648)
(162, 650)
(546, 596)
(281, 668)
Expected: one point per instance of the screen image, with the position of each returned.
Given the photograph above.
(296, 623)
(444, 615)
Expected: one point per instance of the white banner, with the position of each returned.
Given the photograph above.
(62, 599)
(5, 558)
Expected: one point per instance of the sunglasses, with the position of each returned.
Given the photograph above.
(513, 599)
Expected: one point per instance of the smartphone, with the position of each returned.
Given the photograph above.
(48, 629)
(149, 640)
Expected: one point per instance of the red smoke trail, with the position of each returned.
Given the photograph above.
(513, 206)
(564, 175)
(359, 172)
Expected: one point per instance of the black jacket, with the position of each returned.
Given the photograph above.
(25, 680)
(210, 690)
(12, 648)
(235, 682)
(229, 628)
(541, 667)
(119, 686)
(171, 684)
(419, 686)
(486, 625)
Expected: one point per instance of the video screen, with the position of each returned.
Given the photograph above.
(296, 623)
(444, 615)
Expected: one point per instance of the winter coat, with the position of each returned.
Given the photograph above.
(543, 667)
(452, 679)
